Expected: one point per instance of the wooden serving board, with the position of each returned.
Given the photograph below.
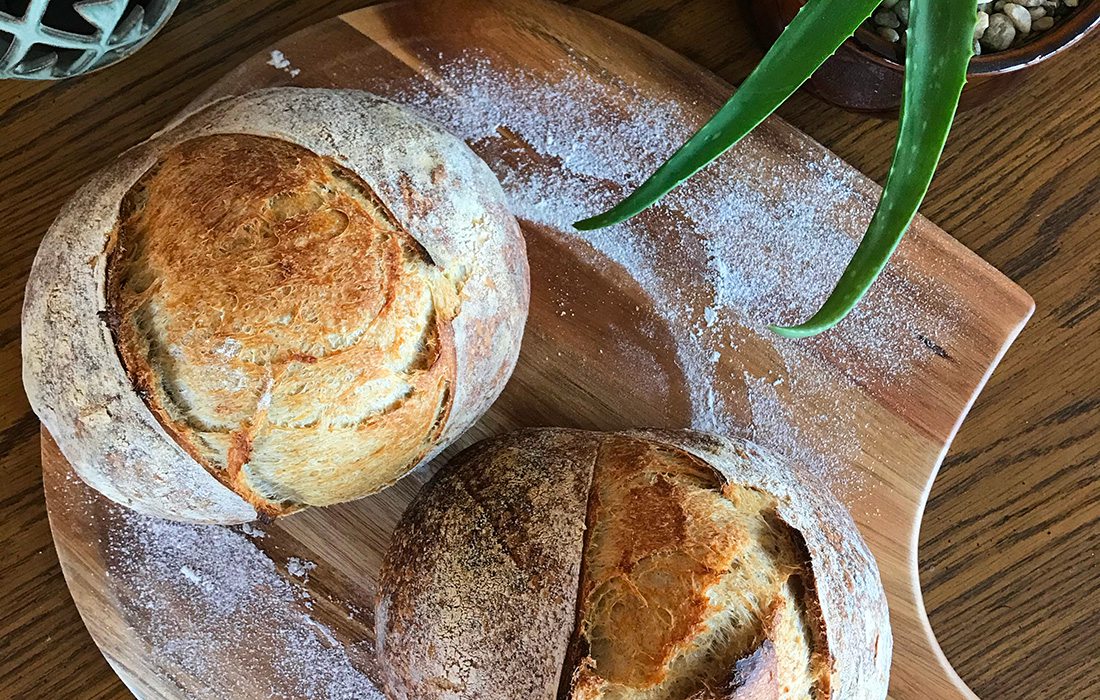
(658, 323)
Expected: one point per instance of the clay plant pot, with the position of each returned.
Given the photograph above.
(865, 76)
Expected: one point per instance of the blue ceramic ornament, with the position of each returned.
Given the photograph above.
(49, 39)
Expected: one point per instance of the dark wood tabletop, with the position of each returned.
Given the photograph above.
(1009, 542)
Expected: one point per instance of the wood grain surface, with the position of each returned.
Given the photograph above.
(526, 83)
(1008, 541)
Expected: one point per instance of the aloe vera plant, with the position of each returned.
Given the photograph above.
(940, 45)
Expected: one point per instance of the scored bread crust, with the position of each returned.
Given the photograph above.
(853, 606)
(437, 190)
(459, 614)
(481, 576)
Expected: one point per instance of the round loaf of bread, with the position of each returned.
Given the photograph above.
(647, 565)
(286, 299)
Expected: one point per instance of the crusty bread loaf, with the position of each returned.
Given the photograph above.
(286, 299)
(635, 566)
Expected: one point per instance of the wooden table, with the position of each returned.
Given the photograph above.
(1008, 547)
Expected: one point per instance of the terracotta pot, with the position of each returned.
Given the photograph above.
(864, 75)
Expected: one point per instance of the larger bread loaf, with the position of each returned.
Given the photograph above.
(636, 566)
(289, 298)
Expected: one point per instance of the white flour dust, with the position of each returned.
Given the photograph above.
(300, 568)
(771, 236)
(216, 609)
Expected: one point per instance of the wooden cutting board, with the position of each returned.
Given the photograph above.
(658, 323)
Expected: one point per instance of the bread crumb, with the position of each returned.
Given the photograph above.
(300, 568)
(279, 60)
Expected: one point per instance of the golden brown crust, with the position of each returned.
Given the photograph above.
(852, 640)
(644, 593)
(450, 252)
(685, 575)
(710, 570)
(279, 322)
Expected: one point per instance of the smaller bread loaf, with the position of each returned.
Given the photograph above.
(286, 299)
(631, 566)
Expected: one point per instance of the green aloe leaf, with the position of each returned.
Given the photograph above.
(940, 44)
(816, 32)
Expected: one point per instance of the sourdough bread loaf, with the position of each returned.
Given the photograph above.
(647, 565)
(286, 299)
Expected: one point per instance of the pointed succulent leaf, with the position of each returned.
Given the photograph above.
(941, 37)
(815, 33)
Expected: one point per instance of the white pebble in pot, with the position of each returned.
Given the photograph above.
(902, 11)
(885, 18)
(1019, 16)
(982, 25)
(1000, 33)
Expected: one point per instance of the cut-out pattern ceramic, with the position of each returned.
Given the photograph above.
(52, 39)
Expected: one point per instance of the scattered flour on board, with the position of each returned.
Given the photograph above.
(771, 235)
(215, 608)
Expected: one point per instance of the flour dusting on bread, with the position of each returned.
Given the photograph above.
(707, 569)
(288, 298)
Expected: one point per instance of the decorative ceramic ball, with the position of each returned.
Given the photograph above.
(48, 39)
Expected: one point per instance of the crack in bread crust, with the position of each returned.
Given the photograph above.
(279, 322)
(774, 592)
(461, 232)
(686, 578)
